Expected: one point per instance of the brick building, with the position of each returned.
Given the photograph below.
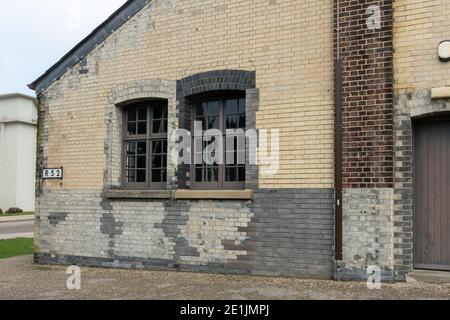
(320, 74)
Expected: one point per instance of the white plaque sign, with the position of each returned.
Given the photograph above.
(52, 173)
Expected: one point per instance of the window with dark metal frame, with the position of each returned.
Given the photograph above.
(145, 145)
(220, 112)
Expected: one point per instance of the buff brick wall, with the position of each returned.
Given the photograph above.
(418, 29)
(287, 42)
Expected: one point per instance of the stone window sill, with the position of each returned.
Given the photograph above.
(137, 194)
(214, 194)
(180, 194)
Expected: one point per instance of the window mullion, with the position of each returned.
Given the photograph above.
(149, 119)
(135, 163)
(149, 146)
(222, 129)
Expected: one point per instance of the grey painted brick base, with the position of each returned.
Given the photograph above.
(281, 232)
(368, 237)
(360, 274)
(134, 263)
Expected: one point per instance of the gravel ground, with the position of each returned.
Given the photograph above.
(20, 279)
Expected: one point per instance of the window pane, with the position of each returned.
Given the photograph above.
(231, 174)
(131, 162)
(160, 126)
(230, 157)
(131, 148)
(157, 147)
(213, 108)
(156, 161)
(213, 174)
(157, 113)
(136, 148)
(201, 109)
(140, 177)
(164, 130)
(141, 148)
(242, 121)
(231, 106)
(198, 158)
(142, 127)
(141, 162)
(235, 150)
(241, 173)
(213, 122)
(207, 174)
(135, 162)
(131, 115)
(131, 176)
(157, 126)
(142, 114)
(156, 175)
(199, 174)
(232, 122)
(131, 128)
(242, 106)
(204, 123)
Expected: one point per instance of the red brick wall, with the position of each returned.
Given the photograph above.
(367, 109)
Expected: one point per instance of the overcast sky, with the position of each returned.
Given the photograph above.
(34, 34)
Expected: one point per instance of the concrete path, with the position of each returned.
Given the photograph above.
(16, 227)
(430, 276)
(20, 279)
(16, 218)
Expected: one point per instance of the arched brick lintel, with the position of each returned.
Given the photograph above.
(216, 80)
(143, 89)
(435, 109)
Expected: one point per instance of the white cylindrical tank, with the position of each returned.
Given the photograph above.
(18, 120)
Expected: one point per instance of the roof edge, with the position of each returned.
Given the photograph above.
(85, 46)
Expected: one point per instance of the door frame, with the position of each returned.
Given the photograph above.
(427, 118)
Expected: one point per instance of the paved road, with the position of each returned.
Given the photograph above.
(16, 229)
(21, 279)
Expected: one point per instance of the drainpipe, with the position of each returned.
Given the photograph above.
(338, 142)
